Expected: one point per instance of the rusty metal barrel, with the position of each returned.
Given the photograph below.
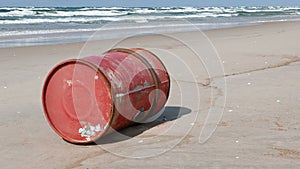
(85, 99)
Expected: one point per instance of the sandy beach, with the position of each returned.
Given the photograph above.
(260, 123)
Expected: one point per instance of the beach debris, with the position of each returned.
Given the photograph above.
(89, 120)
(18, 112)
(192, 124)
(249, 83)
(266, 62)
(230, 110)
(89, 130)
(223, 61)
(236, 141)
(237, 157)
(141, 141)
(39, 77)
(278, 101)
(4, 84)
(248, 74)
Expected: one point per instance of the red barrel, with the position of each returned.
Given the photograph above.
(84, 99)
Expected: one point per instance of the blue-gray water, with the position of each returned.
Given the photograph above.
(23, 26)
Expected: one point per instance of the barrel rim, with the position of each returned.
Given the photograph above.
(163, 65)
(46, 82)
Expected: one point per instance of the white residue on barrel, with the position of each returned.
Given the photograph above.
(69, 82)
(98, 128)
(89, 130)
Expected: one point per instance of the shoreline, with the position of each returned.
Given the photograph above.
(84, 36)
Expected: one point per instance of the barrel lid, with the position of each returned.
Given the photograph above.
(77, 101)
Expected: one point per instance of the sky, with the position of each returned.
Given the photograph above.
(147, 3)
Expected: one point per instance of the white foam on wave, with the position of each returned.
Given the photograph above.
(129, 18)
(101, 8)
(21, 12)
(18, 12)
(267, 9)
(93, 13)
(146, 11)
(58, 20)
(183, 10)
(119, 11)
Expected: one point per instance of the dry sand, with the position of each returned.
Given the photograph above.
(260, 127)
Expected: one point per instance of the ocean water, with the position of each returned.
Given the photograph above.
(23, 26)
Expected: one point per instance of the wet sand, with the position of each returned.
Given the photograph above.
(259, 127)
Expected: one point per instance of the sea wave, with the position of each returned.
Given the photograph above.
(20, 13)
(128, 18)
(50, 12)
(47, 20)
